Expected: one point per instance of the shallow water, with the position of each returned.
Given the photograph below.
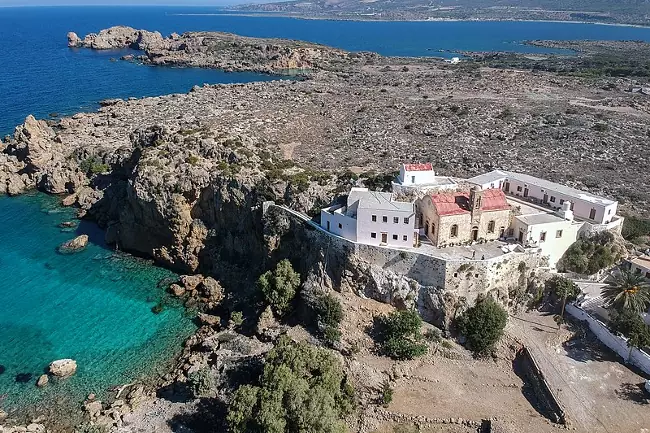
(93, 306)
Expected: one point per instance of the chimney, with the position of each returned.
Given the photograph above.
(566, 212)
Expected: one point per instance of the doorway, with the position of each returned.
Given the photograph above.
(474, 233)
(328, 226)
(545, 200)
(384, 238)
(525, 192)
(506, 188)
(521, 236)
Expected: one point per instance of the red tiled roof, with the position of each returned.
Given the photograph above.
(458, 203)
(494, 199)
(427, 166)
(451, 203)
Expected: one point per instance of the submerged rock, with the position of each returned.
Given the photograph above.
(23, 377)
(63, 368)
(2, 369)
(68, 224)
(74, 245)
(42, 381)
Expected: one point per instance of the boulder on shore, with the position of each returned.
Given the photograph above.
(74, 245)
(63, 367)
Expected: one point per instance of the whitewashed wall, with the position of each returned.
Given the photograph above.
(618, 344)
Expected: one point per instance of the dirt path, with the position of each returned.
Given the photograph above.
(598, 393)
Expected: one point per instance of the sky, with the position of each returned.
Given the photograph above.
(124, 2)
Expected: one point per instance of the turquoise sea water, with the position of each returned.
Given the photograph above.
(93, 306)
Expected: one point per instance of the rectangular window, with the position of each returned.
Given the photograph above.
(637, 270)
(552, 199)
(572, 204)
(511, 232)
(542, 236)
(561, 201)
(395, 220)
(592, 214)
(374, 218)
(519, 188)
(405, 238)
(609, 211)
(412, 179)
(406, 220)
(558, 234)
(340, 225)
(647, 275)
(394, 237)
(373, 235)
(384, 219)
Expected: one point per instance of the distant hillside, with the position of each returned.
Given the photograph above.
(614, 11)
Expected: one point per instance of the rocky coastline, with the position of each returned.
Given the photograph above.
(183, 178)
(222, 51)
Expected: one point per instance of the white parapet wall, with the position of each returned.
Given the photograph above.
(618, 344)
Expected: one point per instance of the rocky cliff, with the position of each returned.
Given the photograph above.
(223, 51)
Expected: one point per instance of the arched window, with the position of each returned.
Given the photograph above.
(491, 227)
(454, 231)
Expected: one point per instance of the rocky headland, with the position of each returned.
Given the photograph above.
(222, 51)
(184, 178)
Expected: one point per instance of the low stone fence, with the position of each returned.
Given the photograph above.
(637, 357)
(546, 399)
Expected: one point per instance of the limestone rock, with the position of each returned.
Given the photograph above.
(211, 289)
(177, 290)
(191, 282)
(93, 408)
(63, 368)
(73, 40)
(36, 428)
(42, 381)
(210, 320)
(74, 245)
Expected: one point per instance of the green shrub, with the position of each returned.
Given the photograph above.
(236, 319)
(93, 165)
(192, 159)
(635, 227)
(331, 335)
(201, 383)
(483, 325)
(400, 335)
(386, 394)
(433, 335)
(588, 256)
(279, 286)
(302, 390)
(328, 313)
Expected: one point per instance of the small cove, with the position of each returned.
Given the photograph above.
(93, 306)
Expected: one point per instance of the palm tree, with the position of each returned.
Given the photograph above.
(627, 291)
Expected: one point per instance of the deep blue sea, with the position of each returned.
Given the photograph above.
(95, 306)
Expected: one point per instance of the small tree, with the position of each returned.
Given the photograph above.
(279, 286)
(329, 314)
(401, 335)
(563, 289)
(302, 389)
(630, 324)
(483, 325)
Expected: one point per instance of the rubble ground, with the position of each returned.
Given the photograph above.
(599, 393)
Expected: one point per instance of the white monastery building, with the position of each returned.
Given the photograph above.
(502, 205)
(373, 218)
(421, 177)
(585, 206)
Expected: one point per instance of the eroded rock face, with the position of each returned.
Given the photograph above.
(63, 368)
